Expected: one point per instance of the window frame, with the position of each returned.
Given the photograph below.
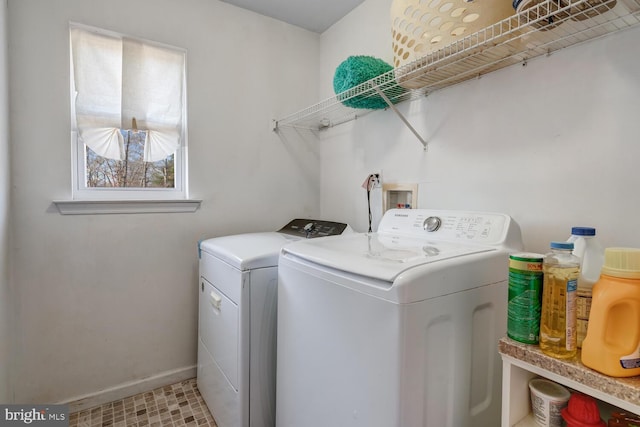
(81, 192)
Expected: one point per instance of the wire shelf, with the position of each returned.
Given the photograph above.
(546, 27)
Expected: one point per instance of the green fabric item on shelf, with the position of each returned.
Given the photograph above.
(354, 71)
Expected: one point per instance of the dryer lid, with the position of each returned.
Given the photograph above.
(248, 251)
(259, 250)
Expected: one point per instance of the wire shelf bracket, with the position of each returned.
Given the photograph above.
(402, 117)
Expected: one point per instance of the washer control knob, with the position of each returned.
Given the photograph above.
(432, 223)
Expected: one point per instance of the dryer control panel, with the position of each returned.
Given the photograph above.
(310, 228)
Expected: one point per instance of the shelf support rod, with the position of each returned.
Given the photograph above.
(399, 114)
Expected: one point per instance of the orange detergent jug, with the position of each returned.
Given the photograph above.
(612, 344)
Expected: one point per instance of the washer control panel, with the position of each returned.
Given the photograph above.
(310, 228)
(462, 226)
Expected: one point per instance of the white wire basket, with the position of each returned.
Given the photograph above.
(420, 27)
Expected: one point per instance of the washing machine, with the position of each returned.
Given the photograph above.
(397, 328)
(237, 320)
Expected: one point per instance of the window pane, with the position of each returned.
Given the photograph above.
(132, 172)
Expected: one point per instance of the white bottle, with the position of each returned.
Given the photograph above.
(591, 254)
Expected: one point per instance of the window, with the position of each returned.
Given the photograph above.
(128, 117)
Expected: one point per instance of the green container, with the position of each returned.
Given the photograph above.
(525, 297)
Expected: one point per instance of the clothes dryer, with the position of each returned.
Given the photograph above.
(237, 320)
(397, 328)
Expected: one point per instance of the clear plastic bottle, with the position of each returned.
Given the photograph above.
(591, 255)
(561, 269)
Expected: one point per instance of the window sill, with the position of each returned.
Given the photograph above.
(95, 207)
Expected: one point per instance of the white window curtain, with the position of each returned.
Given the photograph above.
(117, 79)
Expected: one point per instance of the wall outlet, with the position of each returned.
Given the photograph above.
(372, 181)
(376, 180)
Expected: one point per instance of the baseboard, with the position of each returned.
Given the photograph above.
(130, 388)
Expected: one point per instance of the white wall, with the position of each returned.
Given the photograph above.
(105, 300)
(554, 144)
(5, 296)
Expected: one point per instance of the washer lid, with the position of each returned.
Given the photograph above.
(379, 256)
(248, 251)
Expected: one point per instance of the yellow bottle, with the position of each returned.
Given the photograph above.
(612, 344)
(558, 335)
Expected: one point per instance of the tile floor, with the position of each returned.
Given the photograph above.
(174, 405)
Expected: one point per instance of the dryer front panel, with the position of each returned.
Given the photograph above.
(219, 323)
